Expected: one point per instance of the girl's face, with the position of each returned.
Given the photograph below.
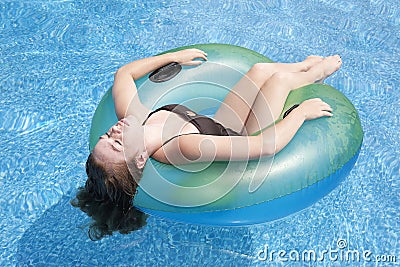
(123, 141)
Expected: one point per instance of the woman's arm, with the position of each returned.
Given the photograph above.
(199, 148)
(124, 89)
(276, 138)
(207, 148)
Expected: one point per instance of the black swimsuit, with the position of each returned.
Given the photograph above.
(204, 124)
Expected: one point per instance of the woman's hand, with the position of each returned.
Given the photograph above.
(187, 56)
(314, 108)
(274, 139)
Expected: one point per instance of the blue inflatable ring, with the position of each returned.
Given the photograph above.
(318, 158)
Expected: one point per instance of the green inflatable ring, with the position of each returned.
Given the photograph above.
(225, 193)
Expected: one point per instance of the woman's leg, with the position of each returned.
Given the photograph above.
(269, 102)
(236, 106)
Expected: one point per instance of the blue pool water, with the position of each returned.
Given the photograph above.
(57, 59)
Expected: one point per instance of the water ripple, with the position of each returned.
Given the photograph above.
(20, 121)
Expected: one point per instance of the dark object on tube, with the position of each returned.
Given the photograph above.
(165, 73)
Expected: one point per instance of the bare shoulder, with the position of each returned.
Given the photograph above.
(183, 149)
(126, 98)
(138, 110)
(170, 153)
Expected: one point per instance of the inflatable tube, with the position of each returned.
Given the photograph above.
(318, 158)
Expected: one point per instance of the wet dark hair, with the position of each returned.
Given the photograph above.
(108, 217)
(107, 198)
(114, 182)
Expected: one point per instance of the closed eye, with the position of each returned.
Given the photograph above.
(116, 141)
(102, 136)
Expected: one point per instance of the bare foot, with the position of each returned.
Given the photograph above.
(311, 61)
(326, 67)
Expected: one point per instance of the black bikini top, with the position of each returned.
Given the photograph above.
(204, 124)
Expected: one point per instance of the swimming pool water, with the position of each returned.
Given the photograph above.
(58, 59)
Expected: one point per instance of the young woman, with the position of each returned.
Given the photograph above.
(174, 134)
